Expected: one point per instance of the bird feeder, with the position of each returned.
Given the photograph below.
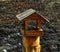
(31, 29)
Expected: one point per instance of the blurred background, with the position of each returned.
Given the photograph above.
(10, 37)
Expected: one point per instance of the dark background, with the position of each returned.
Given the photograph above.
(10, 37)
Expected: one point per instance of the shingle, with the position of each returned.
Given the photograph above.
(25, 14)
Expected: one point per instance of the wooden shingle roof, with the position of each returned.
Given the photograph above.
(26, 13)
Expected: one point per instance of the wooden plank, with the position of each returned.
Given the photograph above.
(33, 33)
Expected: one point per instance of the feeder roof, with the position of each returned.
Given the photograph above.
(27, 13)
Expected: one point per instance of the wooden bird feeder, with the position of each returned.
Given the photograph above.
(30, 23)
(31, 26)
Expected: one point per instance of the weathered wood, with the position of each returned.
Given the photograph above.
(31, 35)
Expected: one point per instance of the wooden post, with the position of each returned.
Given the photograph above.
(31, 44)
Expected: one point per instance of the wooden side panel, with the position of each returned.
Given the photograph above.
(26, 24)
(34, 33)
